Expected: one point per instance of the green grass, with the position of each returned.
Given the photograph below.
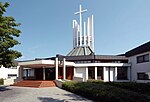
(106, 92)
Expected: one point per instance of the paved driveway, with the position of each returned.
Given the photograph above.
(24, 94)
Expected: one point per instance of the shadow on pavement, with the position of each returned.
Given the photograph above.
(4, 88)
(75, 97)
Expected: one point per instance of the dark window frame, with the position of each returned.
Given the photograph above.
(12, 75)
(142, 58)
(145, 76)
(122, 73)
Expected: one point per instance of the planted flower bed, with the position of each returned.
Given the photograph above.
(104, 92)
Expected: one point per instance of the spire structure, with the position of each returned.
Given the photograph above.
(83, 36)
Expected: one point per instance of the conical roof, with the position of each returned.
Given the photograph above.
(81, 51)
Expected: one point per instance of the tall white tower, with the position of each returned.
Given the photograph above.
(83, 35)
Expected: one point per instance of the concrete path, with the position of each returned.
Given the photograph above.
(24, 94)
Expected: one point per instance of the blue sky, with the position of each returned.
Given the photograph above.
(46, 25)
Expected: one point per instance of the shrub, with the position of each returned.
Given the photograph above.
(103, 92)
(1, 81)
(143, 88)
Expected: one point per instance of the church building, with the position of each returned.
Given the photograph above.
(81, 63)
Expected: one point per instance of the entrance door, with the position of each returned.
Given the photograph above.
(69, 73)
(39, 73)
(49, 73)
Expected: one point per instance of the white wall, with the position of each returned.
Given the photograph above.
(138, 67)
(106, 74)
(81, 73)
(5, 71)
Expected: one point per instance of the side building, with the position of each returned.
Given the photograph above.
(9, 74)
(139, 58)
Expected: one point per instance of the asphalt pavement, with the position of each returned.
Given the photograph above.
(26, 94)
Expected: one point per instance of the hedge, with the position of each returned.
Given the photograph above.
(143, 88)
(103, 92)
(1, 81)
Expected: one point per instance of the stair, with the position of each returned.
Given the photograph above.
(35, 83)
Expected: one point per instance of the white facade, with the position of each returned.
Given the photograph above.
(81, 70)
(6, 73)
(136, 68)
(80, 73)
(9, 74)
(109, 73)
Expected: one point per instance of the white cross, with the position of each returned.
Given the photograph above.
(80, 13)
(80, 10)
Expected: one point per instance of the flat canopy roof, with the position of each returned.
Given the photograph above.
(37, 64)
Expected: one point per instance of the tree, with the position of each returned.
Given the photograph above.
(8, 35)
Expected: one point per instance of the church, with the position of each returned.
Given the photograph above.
(81, 63)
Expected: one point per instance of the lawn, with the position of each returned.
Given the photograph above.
(110, 91)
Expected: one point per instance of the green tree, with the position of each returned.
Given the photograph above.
(8, 35)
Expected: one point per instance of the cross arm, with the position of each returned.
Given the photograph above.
(80, 12)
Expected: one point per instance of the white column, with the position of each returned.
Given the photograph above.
(129, 73)
(56, 68)
(74, 32)
(86, 74)
(115, 73)
(74, 71)
(105, 74)
(80, 25)
(88, 32)
(43, 73)
(20, 73)
(84, 34)
(92, 31)
(95, 73)
(64, 69)
(78, 33)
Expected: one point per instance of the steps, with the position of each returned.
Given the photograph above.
(35, 83)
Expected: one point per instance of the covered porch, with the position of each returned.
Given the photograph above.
(46, 70)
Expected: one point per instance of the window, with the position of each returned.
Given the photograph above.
(122, 73)
(143, 58)
(28, 72)
(12, 75)
(91, 72)
(143, 76)
(100, 73)
(146, 58)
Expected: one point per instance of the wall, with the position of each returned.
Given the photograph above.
(5, 71)
(80, 73)
(138, 67)
(106, 74)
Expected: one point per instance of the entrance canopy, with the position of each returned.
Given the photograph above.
(37, 63)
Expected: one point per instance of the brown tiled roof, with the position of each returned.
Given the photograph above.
(141, 49)
(93, 57)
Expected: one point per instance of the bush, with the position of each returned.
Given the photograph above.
(143, 88)
(103, 92)
(1, 81)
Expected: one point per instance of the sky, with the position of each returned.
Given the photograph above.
(46, 25)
